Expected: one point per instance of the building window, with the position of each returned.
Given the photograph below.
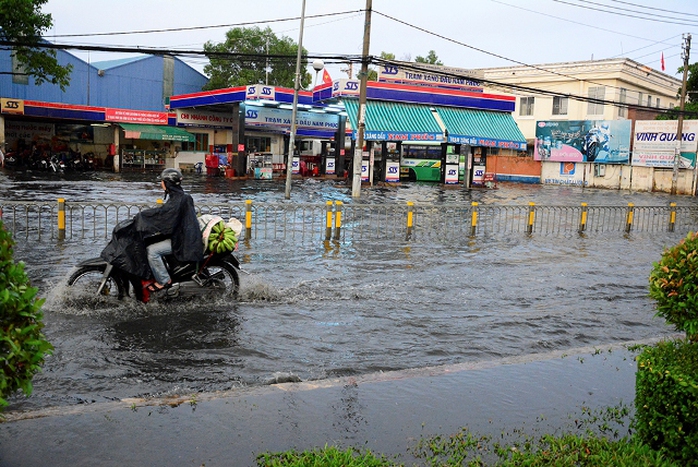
(622, 99)
(649, 101)
(526, 105)
(596, 92)
(19, 75)
(258, 144)
(559, 105)
(639, 98)
(201, 143)
(658, 102)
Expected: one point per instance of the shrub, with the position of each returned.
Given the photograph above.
(666, 399)
(674, 285)
(22, 345)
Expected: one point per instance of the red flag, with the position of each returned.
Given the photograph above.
(663, 67)
(326, 77)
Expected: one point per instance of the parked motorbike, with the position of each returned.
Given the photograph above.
(217, 275)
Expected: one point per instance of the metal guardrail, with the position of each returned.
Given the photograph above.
(63, 220)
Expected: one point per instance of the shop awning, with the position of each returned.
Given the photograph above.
(482, 128)
(395, 121)
(156, 132)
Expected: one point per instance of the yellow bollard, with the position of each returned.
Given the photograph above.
(410, 218)
(328, 221)
(672, 217)
(473, 219)
(338, 220)
(61, 218)
(583, 220)
(531, 217)
(629, 221)
(248, 219)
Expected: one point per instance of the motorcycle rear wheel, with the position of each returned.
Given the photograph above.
(230, 284)
(89, 278)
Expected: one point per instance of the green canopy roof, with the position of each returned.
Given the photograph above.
(395, 121)
(156, 132)
(482, 128)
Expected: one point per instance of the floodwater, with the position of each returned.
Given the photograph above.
(309, 312)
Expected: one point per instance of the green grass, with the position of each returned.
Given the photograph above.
(466, 449)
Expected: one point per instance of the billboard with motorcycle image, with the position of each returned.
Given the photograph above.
(598, 141)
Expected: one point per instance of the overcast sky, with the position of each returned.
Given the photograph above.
(464, 33)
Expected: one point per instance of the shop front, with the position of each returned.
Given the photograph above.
(148, 147)
(265, 114)
(83, 137)
(430, 141)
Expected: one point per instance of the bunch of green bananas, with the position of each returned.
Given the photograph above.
(222, 239)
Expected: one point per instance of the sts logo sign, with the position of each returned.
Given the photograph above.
(351, 86)
(251, 113)
(390, 70)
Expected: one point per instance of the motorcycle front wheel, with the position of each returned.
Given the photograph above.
(88, 278)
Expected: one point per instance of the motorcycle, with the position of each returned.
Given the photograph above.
(216, 276)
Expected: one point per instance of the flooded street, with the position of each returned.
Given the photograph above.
(312, 312)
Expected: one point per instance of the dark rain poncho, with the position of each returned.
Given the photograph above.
(175, 219)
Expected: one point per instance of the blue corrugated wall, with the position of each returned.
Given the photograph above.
(135, 85)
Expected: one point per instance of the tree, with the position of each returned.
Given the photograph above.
(373, 73)
(22, 22)
(431, 59)
(248, 61)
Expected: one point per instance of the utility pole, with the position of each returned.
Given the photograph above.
(363, 77)
(682, 106)
(296, 87)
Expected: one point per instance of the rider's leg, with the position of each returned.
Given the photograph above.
(155, 253)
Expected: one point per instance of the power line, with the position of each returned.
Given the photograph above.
(448, 39)
(199, 28)
(332, 59)
(612, 31)
(624, 9)
(637, 5)
(690, 23)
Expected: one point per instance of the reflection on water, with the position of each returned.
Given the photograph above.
(324, 310)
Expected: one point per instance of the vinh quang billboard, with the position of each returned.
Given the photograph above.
(654, 143)
(598, 141)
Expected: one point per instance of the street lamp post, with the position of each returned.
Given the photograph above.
(292, 139)
(363, 77)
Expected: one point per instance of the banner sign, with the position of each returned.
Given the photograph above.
(598, 141)
(29, 131)
(345, 87)
(280, 119)
(401, 136)
(393, 171)
(330, 166)
(398, 74)
(135, 116)
(654, 143)
(202, 118)
(260, 91)
(12, 106)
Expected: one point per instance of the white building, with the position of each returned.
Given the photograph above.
(617, 80)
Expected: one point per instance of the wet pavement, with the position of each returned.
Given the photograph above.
(387, 413)
(392, 341)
